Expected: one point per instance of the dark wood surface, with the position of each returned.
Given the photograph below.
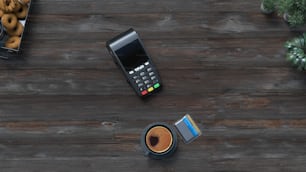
(65, 106)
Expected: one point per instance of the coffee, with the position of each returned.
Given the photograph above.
(159, 139)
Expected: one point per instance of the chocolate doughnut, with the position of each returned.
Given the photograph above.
(8, 5)
(9, 21)
(22, 11)
(16, 31)
(13, 42)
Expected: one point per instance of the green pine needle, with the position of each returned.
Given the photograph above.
(296, 51)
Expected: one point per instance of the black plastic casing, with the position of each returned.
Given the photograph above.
(122, 40)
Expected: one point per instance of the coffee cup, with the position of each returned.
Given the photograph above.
(159, 140)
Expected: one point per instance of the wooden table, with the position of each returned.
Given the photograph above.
(65, 106)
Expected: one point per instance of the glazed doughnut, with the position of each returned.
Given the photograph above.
(9, 21)
(1, 13)
(25, 1)
(17, 7)
(8, 5)
(22, 12)
(16, 31)
(13, 42)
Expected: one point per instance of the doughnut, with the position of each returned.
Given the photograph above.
(13, 42)
(25, 1)
(22, 12)
(9, 21)
(8, 5)
(16, 31)
(17, 7)
(1, 13)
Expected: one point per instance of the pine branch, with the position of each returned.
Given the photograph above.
(296, 52)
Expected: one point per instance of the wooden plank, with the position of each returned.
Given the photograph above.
(138, 6)
(219, 146)
(185, 54)
(177, 82)
(122, 164)
(207, 109)
(195, 24)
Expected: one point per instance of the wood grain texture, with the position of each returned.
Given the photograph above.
(65, 106)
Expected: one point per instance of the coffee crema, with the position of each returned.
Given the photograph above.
(159, 139)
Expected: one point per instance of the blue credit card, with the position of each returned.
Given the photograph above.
(188, 129)
(190, 126)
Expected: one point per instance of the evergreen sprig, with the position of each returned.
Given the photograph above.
(294, 10)
(269, 5)
(296, 51)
